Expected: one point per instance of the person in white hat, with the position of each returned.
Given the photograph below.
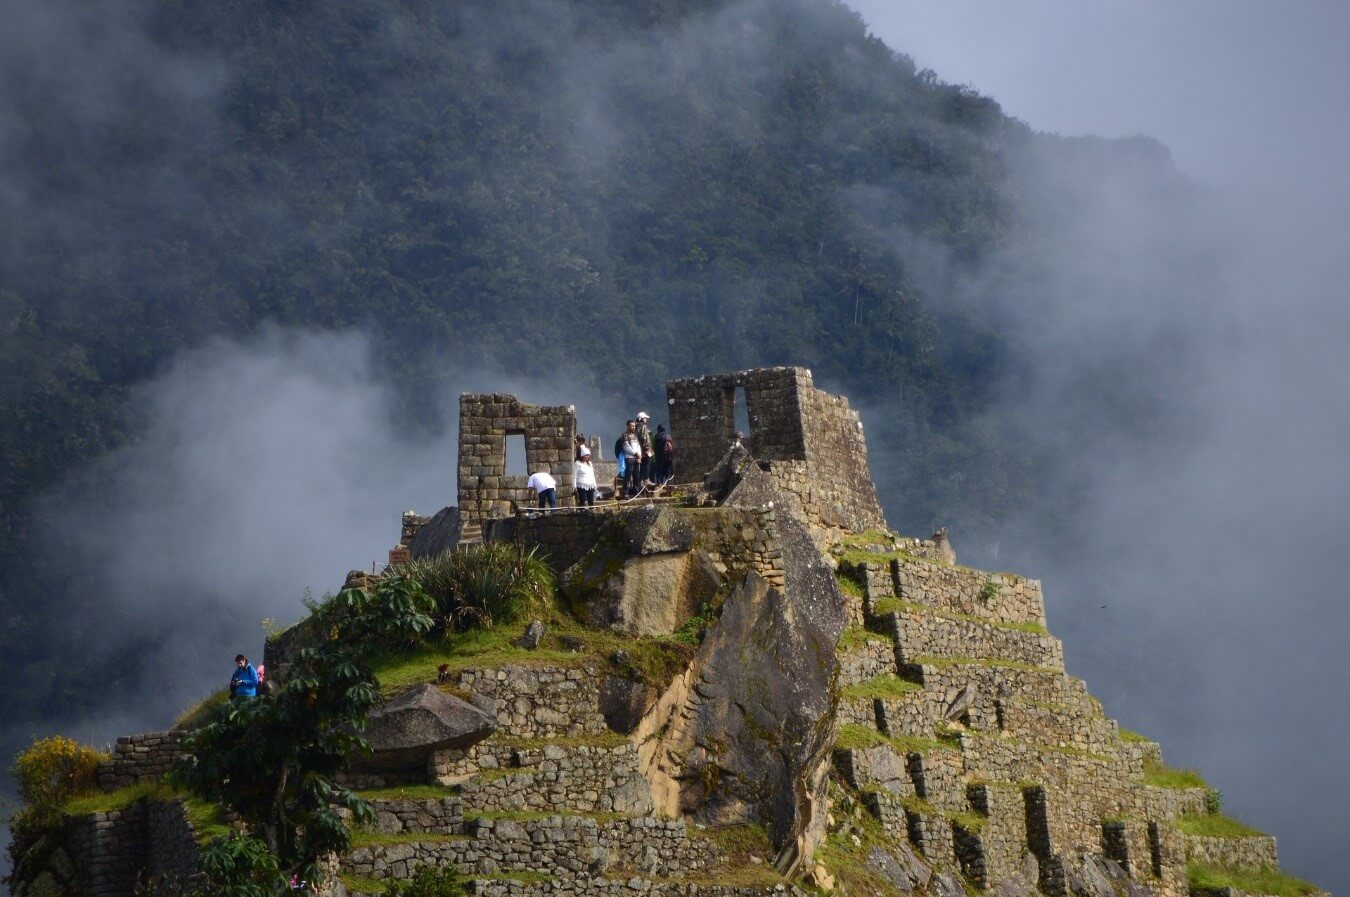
(644, 435)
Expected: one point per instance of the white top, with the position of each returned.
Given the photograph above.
(584, 451)
(583, 475)
(541, 481)
(631, 446)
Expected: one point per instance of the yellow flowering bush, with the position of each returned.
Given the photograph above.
(50, 772)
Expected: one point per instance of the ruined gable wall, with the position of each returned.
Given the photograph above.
(841, 487)
(485, 420)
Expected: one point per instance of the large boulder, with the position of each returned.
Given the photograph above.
(653, 529)
(745, 734)
(437, 536)
(649, 594)
(408, 728)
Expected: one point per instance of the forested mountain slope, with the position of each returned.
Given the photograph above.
(617, 192)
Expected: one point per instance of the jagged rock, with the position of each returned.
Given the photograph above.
(882, 766)
(423, 719)
(438, 535)
(615, 587)
(1092, 875)
(900, 867)
(959, 701)
(653, 529)
(531, 637)
(945, 884)
(623, 701)
(1021, 884)
(745, 734)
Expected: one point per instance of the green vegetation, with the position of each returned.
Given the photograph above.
(119, 799)
(368, 838)
(1162, 776)
(273, 759)
(989, 590)
(198, 713)
(746, 853)
(49, 773)
(408, 792)
(483, 585)
(359, 884)
(430, 881)
(1215, 826)
(1204, 879)
(858, 637)
(1132, 737)
(887, 686)
(848, 585)
(980, 662)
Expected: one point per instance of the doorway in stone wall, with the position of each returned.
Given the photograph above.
(736, 413)
(516, 465)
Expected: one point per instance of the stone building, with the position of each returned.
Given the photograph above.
(812, 441)
(486, 421)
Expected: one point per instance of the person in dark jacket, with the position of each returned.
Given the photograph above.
(664, 451)
(244, 682)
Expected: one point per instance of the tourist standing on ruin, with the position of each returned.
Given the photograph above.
(645, 440)
(664, 452)
(632, 459)
(543, 483)
(244, 682)
(583, 478)
(581, 448)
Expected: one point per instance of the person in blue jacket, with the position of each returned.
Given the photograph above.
(244, 682)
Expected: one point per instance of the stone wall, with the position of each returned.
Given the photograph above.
(1253, 852)
(562, 537)
(113, 851)
(484, 423)
(813, 440)
(139, 758)
(541, 702)
(556, 845)
(739, 540)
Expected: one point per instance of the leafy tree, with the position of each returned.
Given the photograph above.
(273, 758)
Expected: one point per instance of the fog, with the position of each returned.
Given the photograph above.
(1196, 585)
(1216, 541)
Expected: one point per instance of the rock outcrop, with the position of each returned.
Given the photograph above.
(408, 728)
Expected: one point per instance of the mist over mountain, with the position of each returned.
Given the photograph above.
(253, 241)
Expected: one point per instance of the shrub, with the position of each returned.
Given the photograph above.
(50, 772)
(483, 585)
(240, 866)
(429, 881)
(1213, 800)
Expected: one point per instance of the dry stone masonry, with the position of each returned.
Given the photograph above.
(858, 714)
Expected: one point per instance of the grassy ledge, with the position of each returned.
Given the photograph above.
(1215, 826)
(857, 637)
(1160, 776)
(885, 687)
(409, 792)
(860, 738)
(366, 838)
(1212, 879)
(1132, 737)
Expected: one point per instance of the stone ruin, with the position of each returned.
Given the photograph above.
(856, 691)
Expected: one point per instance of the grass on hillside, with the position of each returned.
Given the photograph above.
(884, 687)
(1215, 826)
(656, 660)
(1162, 776)
(1203, 878)
(1132, 736)
(858, 637)
(746, 857)
(368, 838)
(993, 663)
(848, 585)
(196, 714)
(409, 792)
(207, 819)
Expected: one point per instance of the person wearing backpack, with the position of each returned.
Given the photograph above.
(664, 450)
(244, 682)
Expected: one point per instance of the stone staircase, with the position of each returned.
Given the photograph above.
(966, 737)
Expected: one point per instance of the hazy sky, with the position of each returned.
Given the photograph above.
(1227, 636)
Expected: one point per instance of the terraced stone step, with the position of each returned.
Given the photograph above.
(1236, 850)
(1001, 679)
(1056, 724)
(998, 597)
(561, 778)
(925, 634)
(552, 845)
(621, 887)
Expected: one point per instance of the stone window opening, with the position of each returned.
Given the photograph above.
(513, 447)
(737, 414)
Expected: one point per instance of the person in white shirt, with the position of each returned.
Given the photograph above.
(583, 478)
(543, 483)
(632, 457)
